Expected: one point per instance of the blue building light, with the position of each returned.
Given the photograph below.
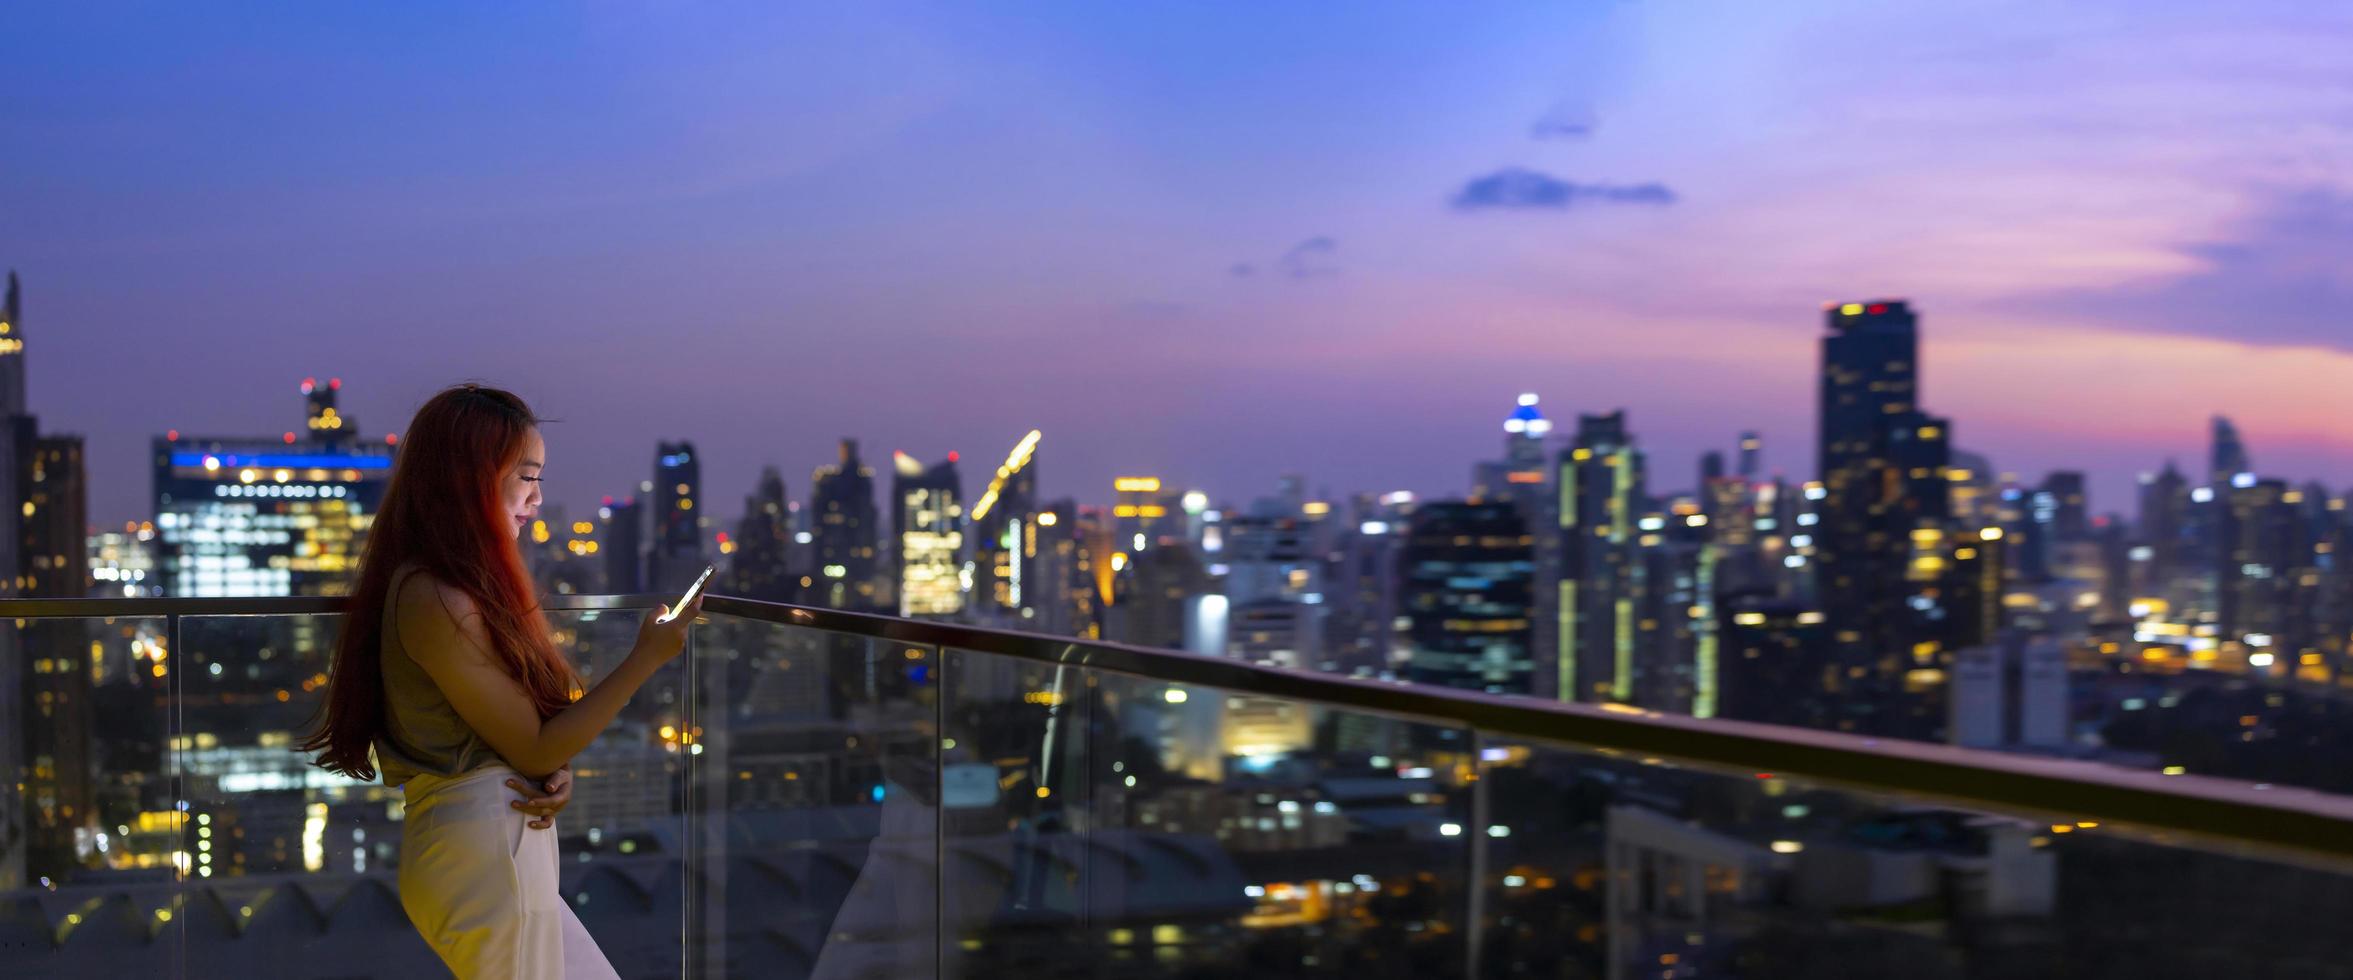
(287, 460)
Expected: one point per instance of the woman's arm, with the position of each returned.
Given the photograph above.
(442, 631)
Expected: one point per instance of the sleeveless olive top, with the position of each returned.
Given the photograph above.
(422, 732)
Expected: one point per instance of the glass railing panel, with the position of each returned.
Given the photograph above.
(813, 789)
(1105, 824)
(625, 838)
(285, 860)
(1604, 864)
(90, 858)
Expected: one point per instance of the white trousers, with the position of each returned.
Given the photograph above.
(481, 886)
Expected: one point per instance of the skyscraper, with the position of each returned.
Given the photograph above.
(1883, 478)
(1521, 478)
(1466, 594)
(845, 532)
(927, 525)
(1069, 596)
(1004, 539)
(2228, 454)
(2261, 546)
(1274, 592)
(12, 352)
(59, 710)
(623, 541)
(761, 567)
(2164, 525)
(1752, 448)
(1602, 495)
(677, 554)
(1519, 475)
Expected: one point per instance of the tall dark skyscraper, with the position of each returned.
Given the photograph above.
(761, 567)
(1752, 449)
(1602, 495)
(927, 528)
(2262, 543)
(2229, 454)
(841, 498)
(677, 554)
(623, 544)
(1468, 572)
(1883, 479)
(12, 352)
(1004, 537)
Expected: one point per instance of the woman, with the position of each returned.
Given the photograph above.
(447, 678)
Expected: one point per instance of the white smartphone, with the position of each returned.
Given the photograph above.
(691, 591)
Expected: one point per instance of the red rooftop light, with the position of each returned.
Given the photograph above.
(334, 384)
(289, 438)
(1878, 308)
(952, 457)
(308, 384)
(172, 436)
(391, 440)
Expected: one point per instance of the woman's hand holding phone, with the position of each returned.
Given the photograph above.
(661, 640)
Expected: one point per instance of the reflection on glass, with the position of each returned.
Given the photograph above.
(1607, 865)
(1100, 824)
(814, 801)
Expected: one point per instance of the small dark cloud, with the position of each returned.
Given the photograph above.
(1565, 121)
(1310, 259)
(1520, 188)
(2283, 276)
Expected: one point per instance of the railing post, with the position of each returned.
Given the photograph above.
(175, 728)
(1475, 929)
(939, 816)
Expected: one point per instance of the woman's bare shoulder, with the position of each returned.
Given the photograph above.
(435, 616)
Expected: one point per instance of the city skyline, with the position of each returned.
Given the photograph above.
(1454, 209)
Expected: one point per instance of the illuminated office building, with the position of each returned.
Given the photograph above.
(122, 563)
(845, 533)
(264, 516)
(1140, 511)
(1004, 537)
(1467, 572)
(927, 522)
(677, 555)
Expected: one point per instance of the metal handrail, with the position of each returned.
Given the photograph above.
(2254, 819)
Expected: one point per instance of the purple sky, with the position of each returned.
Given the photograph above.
(1215, 243)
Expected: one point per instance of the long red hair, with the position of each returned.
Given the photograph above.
(443, 510)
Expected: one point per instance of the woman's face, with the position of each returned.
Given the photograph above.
(519, 487)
